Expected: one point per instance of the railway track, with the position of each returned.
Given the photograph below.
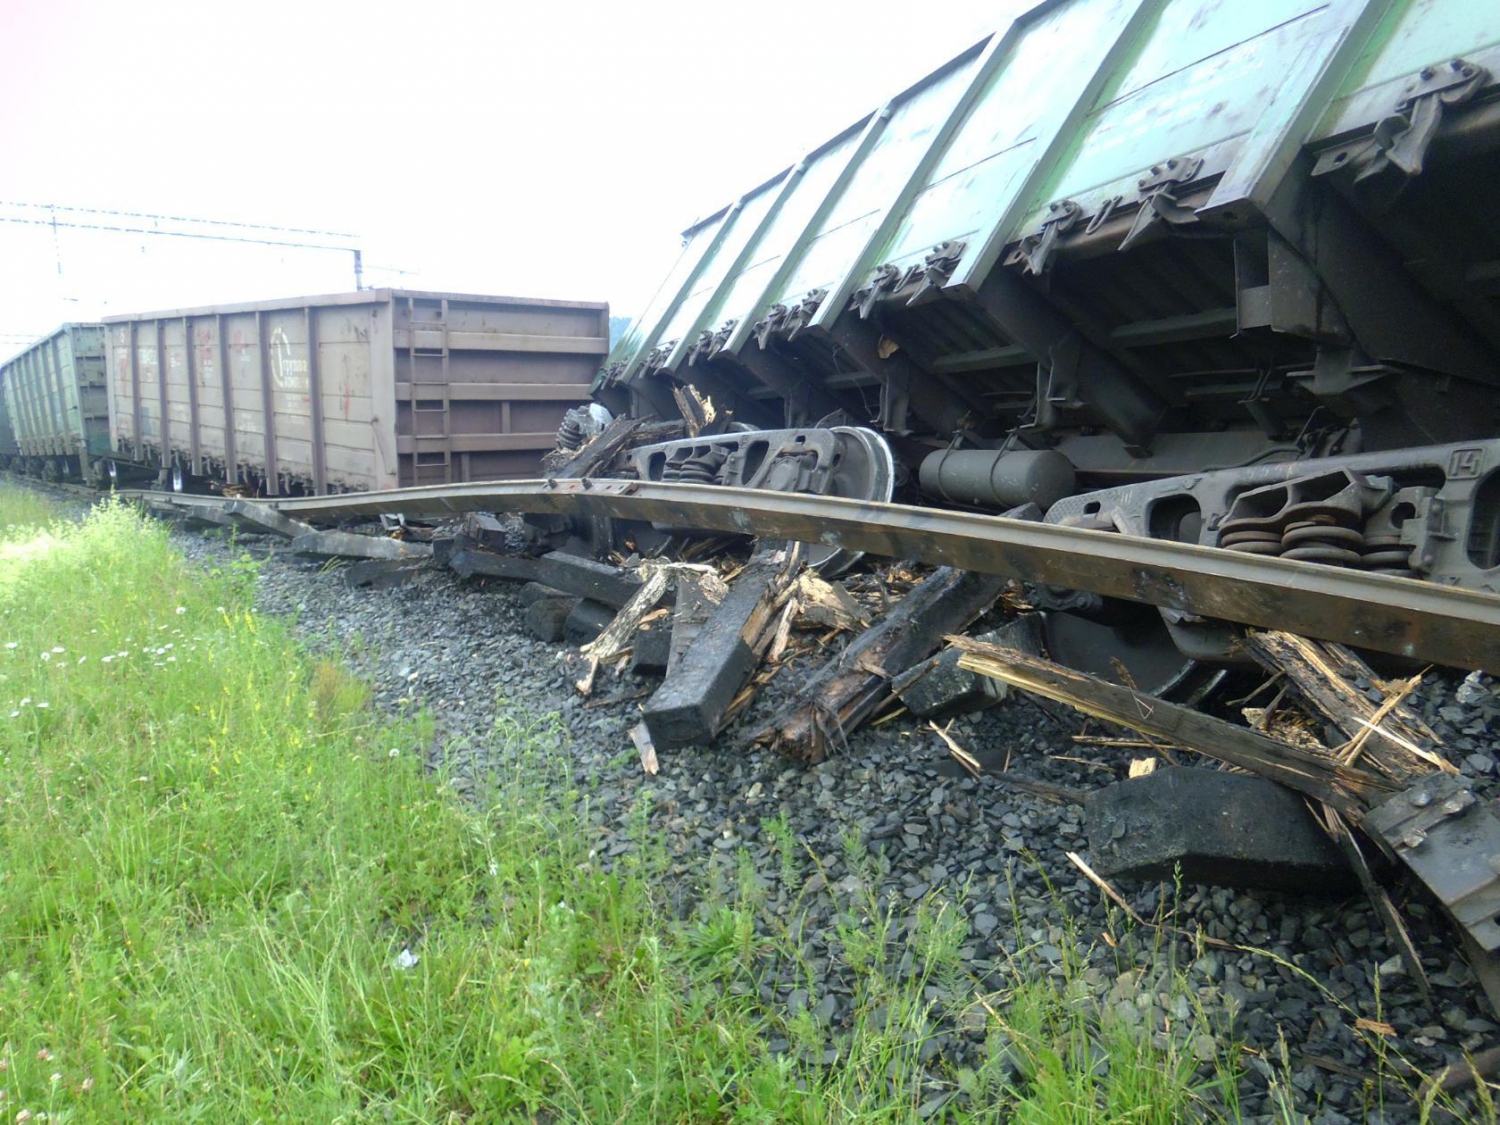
(1413, 619)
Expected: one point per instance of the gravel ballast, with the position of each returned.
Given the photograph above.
(894, 815)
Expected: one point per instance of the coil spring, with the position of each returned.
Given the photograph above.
(1326, 539)
(701, 469)
(569, 434)
(1385, 554)
(1322, 539)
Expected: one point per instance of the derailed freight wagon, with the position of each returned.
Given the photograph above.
(350, 392)
(56, 418)
(1215, 272)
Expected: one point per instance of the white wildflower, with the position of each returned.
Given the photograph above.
(43, 706)
(107, 659)
(15, 714)
(58, 649)
(25, 700)
(406, 959)
(395, 753)
(46, 656)
(81, 659)
(10, 644)
(181, 610)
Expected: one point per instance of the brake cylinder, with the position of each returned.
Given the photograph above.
(988, 478)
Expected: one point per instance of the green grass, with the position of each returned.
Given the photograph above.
(217, 864)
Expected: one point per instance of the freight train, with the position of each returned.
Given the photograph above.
(1213, 273)
(308, 396)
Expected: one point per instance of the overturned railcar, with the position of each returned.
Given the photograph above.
(1212, 272)
(349, 392)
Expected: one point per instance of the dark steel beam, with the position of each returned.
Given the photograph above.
(985, 359)
(728, 391)
(1175, 329)
(1419, 620)
(799, 389)
(1124, 401)
(930, 397)
(1393, 318)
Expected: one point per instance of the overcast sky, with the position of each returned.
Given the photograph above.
(535, 149)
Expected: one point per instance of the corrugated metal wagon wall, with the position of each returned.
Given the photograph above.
(362, 390)
(1131, 231)
(55, 404)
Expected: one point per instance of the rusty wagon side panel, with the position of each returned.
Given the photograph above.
(365, 390)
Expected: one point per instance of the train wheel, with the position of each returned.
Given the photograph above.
(179, 479)
(866, 471)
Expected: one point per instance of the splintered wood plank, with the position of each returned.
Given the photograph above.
(599, 452)
(1389, 735)
(1347, 788)
(847, 690)
(693, 702)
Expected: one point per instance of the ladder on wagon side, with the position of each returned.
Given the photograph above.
(430, 396)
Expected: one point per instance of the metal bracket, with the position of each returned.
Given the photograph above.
(1056, 384)
(1451, 843)
(773, 320)
(702, 346)
(1158, 199)
(1035, 251)
(721, 337)
(935, 270)
(658, 355)
(895, 402)
(1400, 140)
(803, 312)
(710, 342)
(886, 278)
(1104, 214)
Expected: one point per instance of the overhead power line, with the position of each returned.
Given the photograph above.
(174, 218)
(348, 246)
(177, 233)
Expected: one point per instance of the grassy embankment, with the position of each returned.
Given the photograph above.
(228, 892)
